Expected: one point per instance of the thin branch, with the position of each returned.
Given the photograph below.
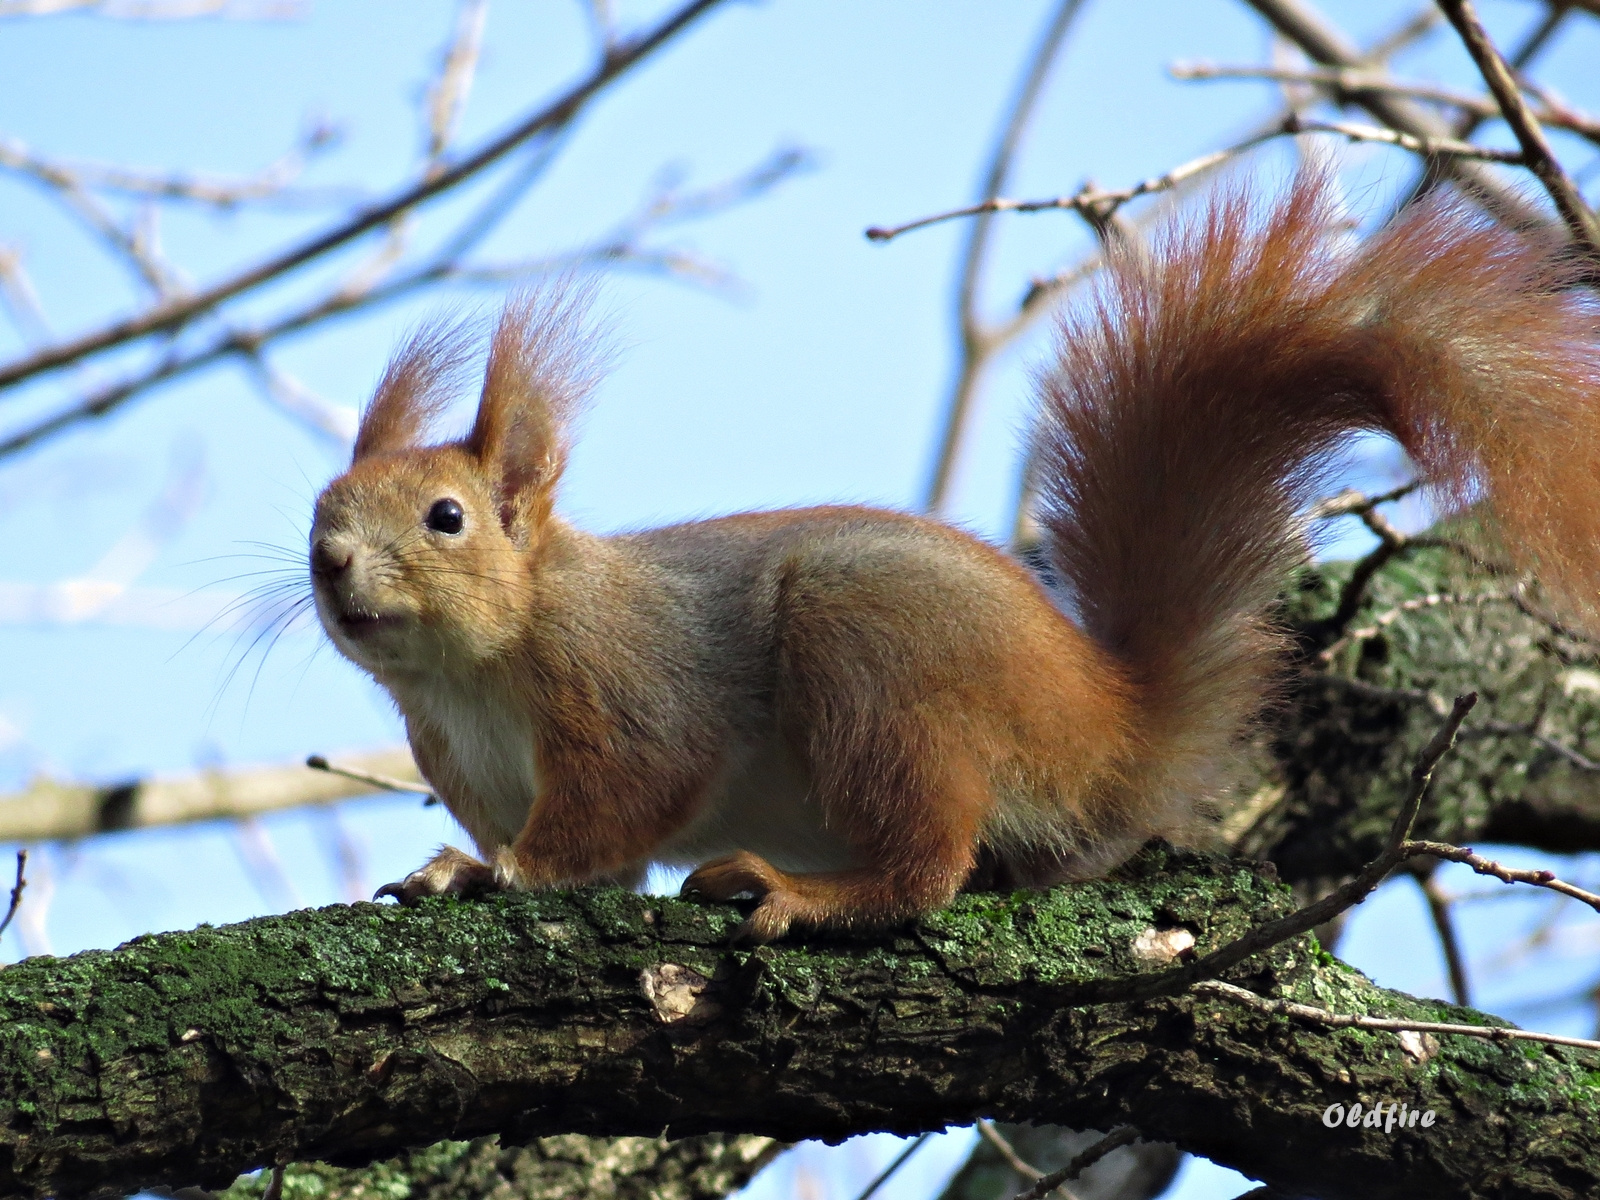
(175, 313)
(1007, 1151)
(1536, 152)
(1085, 199)
(48, 810)
(67, 188)
(1046, 1184)
(1323, 43)
(1384, 619)
(1485, 866)
(447, 95)
(160, 10)
(1351, 502)
(1439, 909)
(1303, 920)
(1404, 35)
(888, 1172)
(978, 345)
(16, 891)
(271, 183)
(1346, 82)
(371, 286)
(387, 783)
(1320, 1016)
(1102, 204)
(332, 421)
(21, 298)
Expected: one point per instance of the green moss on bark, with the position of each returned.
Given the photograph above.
(349, 1033)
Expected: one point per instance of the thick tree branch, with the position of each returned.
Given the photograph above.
(347, 1033)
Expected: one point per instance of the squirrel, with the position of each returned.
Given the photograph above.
(848, 714)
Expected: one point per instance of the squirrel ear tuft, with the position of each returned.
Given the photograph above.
(421, 379)
(544, 361)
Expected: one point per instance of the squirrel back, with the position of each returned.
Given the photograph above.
(1196, 400)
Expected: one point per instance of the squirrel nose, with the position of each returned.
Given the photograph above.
(329, 560)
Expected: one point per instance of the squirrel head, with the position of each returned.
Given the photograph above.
(423, 557)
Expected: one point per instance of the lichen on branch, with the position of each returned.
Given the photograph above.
(348, 1033)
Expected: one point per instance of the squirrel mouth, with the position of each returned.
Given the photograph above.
(359, 623)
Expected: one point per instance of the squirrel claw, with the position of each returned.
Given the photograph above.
(447, 873)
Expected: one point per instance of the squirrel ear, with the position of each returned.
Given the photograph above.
(418, 384)
(543, 363)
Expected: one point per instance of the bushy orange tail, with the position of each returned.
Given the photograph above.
(1194, 402)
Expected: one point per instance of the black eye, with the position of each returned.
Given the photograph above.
(445, 516)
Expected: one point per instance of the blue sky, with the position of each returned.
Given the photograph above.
(820, 381)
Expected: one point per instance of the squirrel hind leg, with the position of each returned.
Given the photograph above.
(869, 896)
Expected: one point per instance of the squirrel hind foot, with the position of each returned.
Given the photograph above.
(858, 898)
(778, 904)
(450, 872)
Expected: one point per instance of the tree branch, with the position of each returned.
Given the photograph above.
(1536, 152)
(346, 1033)
(48, 810)
(175, 313)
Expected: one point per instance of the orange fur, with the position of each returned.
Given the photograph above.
(1192, 405)
(851, 714)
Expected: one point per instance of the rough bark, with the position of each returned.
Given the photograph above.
(348, 1033)
(1339, 760)
(568, 1167)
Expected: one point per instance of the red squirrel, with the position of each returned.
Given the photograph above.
(843, 712)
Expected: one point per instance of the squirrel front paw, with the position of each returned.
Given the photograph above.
(447, 873)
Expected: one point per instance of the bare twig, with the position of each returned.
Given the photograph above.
(21, 299)
(1536, 152)
(1323, 43)
(1485, 866)
(1350, 502)
(888, 1172)
(48, 810)
(1349, 81)
(549, 119)
(159, 10)
(334, 422)
(447, 95)
(1046, 1184)
(1320, 1016)
(16, 891)
(1085, 199)
(1439, 908)
(1302, 920)
(1384, 619)
(1007, 1151)
(1409, 31)
(1101, 204)
(979, 344)
(387, 783)
(273, 183)
(373, 284)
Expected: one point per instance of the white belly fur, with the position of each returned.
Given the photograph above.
(762, 802)
(492, 745)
